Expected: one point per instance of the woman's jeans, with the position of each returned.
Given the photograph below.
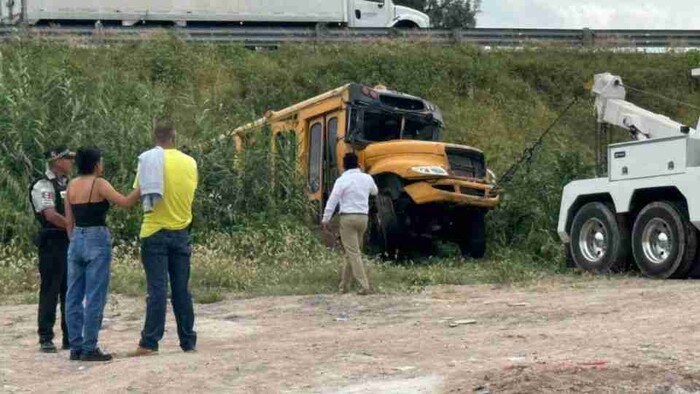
(89, 261)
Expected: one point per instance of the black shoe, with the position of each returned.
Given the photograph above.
(95, 355)
(47, 347)
(190, 350)
(66, 346)
(75, 355)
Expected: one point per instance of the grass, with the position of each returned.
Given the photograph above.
(292, 261)
(251, 240)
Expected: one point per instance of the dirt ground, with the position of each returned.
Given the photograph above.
(601, 336)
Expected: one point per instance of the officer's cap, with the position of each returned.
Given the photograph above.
(59, 152)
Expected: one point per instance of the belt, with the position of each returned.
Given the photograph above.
(353, 214)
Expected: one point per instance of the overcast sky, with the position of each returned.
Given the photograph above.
(596, 14)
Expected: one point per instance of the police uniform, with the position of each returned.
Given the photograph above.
(49, 192)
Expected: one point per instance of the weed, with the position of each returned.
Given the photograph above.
(249, 231)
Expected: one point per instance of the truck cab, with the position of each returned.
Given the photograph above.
(384, 13)
(428, 189)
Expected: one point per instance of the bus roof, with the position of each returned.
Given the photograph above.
(276, 115)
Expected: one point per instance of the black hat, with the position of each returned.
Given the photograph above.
(59, 152)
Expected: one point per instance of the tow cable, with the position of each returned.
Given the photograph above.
(530, 152)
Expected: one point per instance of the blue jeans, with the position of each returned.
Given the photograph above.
(89, 261)
(167, 254)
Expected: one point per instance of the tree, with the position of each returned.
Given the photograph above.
(447, 14)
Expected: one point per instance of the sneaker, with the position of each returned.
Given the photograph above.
(141, 352)
(47, 347)
(95, 355)
(75, 355)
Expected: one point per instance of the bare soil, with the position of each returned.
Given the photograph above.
(628, 335)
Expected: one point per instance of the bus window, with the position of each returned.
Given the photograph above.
(332, 142)
(315, 157)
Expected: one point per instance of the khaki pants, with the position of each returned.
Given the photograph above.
(352, 233)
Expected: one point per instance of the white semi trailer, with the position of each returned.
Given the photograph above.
(352, 13)
(647, 208)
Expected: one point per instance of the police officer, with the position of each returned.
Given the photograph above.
(46, 195)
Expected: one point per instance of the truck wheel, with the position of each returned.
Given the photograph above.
(664, 243)
(694, 272)
(473, 236)
(390, 230)
(599, 242)
(568, 256)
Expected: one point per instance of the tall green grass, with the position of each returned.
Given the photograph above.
(498, 101)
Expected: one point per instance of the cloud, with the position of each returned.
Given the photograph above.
(596, 14)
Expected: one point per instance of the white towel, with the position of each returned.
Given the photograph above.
(151, 168)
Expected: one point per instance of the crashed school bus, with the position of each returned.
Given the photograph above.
(427, 189)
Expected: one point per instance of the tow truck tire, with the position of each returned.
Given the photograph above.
(694, 272)
(568, 257)
(599, 241)
(664, 242)
(472, 242)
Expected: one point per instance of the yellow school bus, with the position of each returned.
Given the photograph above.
(428, 189)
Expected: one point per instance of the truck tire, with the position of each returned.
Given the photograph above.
(472, 242)
(599, 241)
(694, 272)
(391, 232)
(664, 242)
(568, 257)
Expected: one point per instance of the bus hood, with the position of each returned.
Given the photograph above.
(420, 159)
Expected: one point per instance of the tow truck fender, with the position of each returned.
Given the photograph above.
(622, 193)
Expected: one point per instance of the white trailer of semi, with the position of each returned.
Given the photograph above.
(647, 208)
(351, 13)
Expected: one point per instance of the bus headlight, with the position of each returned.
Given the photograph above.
(430, 170)
(492, 177)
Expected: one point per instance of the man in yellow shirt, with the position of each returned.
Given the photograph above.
(166, 248)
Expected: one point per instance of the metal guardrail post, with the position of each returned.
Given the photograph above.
(457, 35)
(588, 39)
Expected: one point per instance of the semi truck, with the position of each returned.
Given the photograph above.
(428, 189)
(645, 204)
(350, 13)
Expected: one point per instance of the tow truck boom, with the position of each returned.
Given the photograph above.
(611, 108)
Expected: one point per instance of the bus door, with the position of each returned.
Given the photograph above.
(315, 186)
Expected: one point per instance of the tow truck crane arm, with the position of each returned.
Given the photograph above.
(611, 108)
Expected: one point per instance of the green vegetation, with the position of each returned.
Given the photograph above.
(250, 240)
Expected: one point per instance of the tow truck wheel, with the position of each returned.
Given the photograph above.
(664, 243)
(599, 242)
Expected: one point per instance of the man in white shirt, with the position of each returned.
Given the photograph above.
(351, 191)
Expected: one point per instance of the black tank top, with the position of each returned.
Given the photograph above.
(91, 214)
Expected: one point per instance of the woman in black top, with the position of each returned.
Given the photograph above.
(90, 252)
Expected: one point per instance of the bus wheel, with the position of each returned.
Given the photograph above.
(472, 234)
(390, 230)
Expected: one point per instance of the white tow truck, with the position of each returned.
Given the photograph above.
(645, 204)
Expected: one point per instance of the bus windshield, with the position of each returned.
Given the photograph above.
(379, 126)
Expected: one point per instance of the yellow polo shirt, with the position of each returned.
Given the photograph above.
(174, 211)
